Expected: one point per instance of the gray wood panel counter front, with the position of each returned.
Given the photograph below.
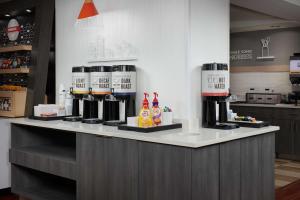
(49, 162)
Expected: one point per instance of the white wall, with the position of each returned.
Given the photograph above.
(173, 38)
(209, 42)
(5, 166)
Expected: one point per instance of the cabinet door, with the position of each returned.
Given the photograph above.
(230, 170)
(123, 169)
(284, 137)
(297, 138)
(92, 170)
(206, 173)
(250, 169)
(164, 172)
(267, 166)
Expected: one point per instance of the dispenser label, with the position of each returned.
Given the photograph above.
(81, 83)
(101, 82)
(215, 83)
(124, 82)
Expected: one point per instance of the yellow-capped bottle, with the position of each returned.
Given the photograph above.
(145, 116)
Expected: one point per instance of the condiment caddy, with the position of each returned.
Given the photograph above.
(151, 119)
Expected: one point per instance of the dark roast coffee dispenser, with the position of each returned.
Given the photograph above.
(124, 90)
(215, 91)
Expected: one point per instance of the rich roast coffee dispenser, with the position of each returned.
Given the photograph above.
(215, 91)
(124, 90)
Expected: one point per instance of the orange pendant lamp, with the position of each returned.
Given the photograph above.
(88, 10)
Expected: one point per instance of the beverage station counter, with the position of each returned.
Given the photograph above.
(281, 105)
(64, 160)
(178, 137)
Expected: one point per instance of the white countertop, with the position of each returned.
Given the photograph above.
(266, 105)
(178, 137)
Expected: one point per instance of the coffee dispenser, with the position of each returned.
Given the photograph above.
(90, 110)
(79, 89)
(124, 90)
(215, 91)
(294, 96)
(101, 83)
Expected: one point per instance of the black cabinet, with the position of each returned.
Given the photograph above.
(288, 138)
(260, 113)
(165, 172)
(285, 136)
(297, 138)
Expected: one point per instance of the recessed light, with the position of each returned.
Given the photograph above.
(28, 10)
(7, 15)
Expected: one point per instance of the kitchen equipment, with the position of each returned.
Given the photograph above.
(263, 98)
(81, 80)
(80, 87)
(111, 114)
(124, 90)
(295, 78)
(101, 82)
(215, 91)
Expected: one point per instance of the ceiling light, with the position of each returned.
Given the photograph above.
(7, 15)
(88, 10)
(28, 10)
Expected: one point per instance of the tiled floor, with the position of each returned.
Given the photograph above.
(286, 172)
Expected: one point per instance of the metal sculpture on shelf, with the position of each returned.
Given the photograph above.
(265, 47)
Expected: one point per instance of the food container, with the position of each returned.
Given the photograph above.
(167, 118)
(12, 103)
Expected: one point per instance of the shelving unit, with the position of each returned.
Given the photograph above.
(47, 151)
(62, 157)
(16, 48)
(32, 185)
(15, 71)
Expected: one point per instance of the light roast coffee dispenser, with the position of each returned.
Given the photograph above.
(215, 91)
(124, 91)
(80, 88)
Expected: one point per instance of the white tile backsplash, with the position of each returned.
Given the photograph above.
(242, 82)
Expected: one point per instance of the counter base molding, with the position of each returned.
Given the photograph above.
(58, 164)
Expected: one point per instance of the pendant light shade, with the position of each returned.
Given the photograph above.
(88, 10)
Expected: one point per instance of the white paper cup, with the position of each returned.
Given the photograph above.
(167, 118)
(132, 121)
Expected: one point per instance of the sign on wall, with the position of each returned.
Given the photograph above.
(245, 54)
